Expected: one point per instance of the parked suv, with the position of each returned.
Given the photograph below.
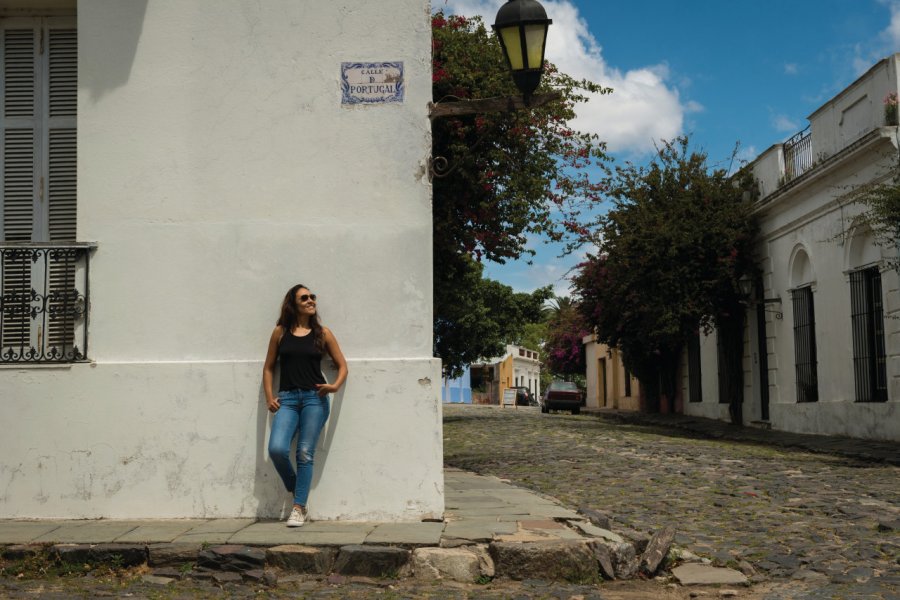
(561, 395)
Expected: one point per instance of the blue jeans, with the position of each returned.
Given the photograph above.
(302, 412)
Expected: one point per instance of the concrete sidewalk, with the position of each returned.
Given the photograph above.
(490, 529)
(478, 509)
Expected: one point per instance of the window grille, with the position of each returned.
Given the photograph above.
(722, 362)
(867, 317)
(805, 345)
(695, 387)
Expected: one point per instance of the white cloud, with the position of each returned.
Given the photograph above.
(791, 69)
(867, 53)
(784, 123)
(892, 32)
(644, 107)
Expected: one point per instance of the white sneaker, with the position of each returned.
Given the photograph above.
(297, 518)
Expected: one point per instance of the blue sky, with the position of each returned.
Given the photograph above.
(723, 72)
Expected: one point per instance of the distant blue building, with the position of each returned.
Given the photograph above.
(459, 390)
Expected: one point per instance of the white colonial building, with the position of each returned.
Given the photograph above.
(170, 169)
(822, 344)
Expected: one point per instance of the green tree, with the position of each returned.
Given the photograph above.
(511, 174)
(532, 336)
(672, 249)
(566, 327)
(480, 321)
(882, 214)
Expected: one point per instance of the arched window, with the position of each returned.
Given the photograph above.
(805, 363)
(867, 318)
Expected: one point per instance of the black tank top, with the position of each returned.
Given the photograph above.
(300, 362)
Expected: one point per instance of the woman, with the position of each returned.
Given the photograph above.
(301, 405)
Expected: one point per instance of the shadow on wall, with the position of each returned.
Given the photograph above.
(273, 501)
(112, 24)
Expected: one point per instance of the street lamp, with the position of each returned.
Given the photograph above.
(748, 291)
(521, 26)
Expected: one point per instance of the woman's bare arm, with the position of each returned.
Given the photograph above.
(269, 370)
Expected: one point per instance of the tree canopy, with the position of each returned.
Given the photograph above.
(566, 328)
(671, 251)
(882, 213)
(512, 175)
(480, 318)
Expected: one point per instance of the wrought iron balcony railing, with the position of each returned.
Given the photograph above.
(44, 300)
(798, 157)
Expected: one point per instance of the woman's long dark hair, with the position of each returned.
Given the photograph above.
(290, 318)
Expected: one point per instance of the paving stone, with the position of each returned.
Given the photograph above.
(485, 562)
(696, 574)
(889, 525)
(809, 576)
(22, 532)
(119, 555)
(311, 534)
(371, 561)
(541, 524)
(861, 574)
(553, 560)
(231, 557)
(21, 551)
(406, 534)
(638, 538)
(479, 530)
(625, 560)
(594, 531)
(457, 564)
(72, 553)
(526, 535)
(596, 517)
(171, 572)
(489, 512)
(88, 532)
(227, 577)
(157, 580)
(172, 554)
(604, 559)
(786, 560)
(302, 559)
(657, 550)
(159, 532)
(215, 531)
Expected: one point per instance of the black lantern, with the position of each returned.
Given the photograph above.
(521, 26)
(745, 284)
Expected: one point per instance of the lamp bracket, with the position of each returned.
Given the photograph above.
(439, 166)
(778, 314)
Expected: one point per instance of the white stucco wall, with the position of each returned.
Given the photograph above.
(818, 221)
(216, 168)
(815, 217)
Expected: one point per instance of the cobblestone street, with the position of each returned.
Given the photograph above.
(825, 521)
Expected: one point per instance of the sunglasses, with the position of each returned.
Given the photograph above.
(305, 297)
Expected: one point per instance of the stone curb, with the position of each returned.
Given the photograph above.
(607, 556)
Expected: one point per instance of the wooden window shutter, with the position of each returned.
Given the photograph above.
(20, 107)
(60, 59)
(40, 83)
(62, 94)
